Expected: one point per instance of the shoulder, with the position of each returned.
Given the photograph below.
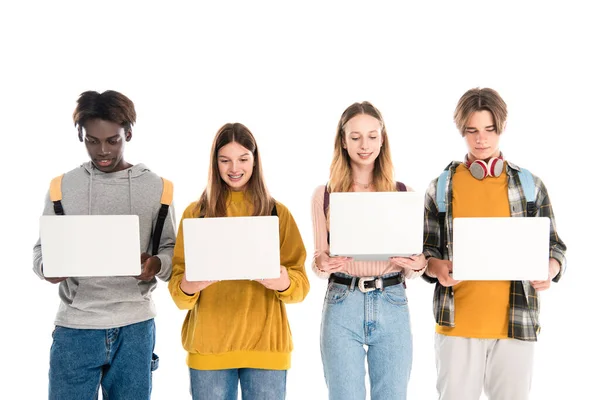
(318, 194)
(191, 211)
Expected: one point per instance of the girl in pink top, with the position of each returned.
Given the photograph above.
(365, 303)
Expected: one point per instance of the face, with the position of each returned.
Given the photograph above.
(362, 139)
(105, 144)
(235, 165)
(481, 136)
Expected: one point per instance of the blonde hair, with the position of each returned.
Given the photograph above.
(479, 100)
(340, 172)
(212, 203)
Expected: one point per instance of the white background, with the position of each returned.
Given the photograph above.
(288, 71)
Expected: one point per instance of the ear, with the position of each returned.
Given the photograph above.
(128, 135)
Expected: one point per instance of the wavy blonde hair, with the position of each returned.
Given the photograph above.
(340, 172)
(212, 203)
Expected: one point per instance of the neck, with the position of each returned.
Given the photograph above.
(362, 173)
(470, 157)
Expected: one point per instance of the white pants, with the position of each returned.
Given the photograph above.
(503, 367)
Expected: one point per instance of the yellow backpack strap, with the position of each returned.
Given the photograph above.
(165, 200)
(167, 193)
(56, 195)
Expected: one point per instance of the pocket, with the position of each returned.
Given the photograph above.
(336, 293)
(395, 295)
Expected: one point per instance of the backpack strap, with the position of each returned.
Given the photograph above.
(440, 199)
(56, 195)
(274, 210)
(528, 186)
(165, 201)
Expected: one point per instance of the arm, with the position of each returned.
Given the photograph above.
(557, 263)
(181, 299)
(319, 230)
(293, 256)
(37, 248)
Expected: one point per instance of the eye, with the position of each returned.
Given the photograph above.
(491, 130)
(113, 142)
(354, 138)
(244, 160)
(223, 161)
(373, 137)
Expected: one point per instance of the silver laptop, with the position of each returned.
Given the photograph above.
(501, 248)
(376, 225)
(90, 245)
(231, 248)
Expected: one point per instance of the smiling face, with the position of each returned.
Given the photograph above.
(105, 144)
(363, 139)
(236, 164)
(481, 135)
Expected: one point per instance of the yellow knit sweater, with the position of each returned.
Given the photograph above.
(241, 324)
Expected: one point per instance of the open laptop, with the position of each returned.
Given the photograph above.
(90, 245)
(502, 248)
(231, 248)
(375, 225)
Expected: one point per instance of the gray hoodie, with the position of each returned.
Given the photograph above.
(111, 302)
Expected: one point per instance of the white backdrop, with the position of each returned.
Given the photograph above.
(288, 71)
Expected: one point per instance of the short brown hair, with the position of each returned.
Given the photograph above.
(109, 106)
(479, 100)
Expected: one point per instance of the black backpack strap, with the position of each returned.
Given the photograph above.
(165, 201)
(56, 195)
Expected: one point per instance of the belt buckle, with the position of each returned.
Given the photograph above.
(361, 283)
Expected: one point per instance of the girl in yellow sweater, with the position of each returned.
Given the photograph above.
(238, 330)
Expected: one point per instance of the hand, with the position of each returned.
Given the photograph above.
(193, 287)
(53, 280)
(553, 270)
(441, 269)
(330, 264)
(415, 263)
(150, 267)
(280, 284)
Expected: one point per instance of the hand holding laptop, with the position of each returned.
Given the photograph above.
(442, 270)
(553, 270)
(151, 266)
(326, 263)
(192, 287)
(415, 262)
(280, 284)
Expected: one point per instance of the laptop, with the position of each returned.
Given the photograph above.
(375, 225)
(502, 248)
(231, 248)
(90, 245)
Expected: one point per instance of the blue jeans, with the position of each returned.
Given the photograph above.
(257, 384)
(119, 360)
(378, 319)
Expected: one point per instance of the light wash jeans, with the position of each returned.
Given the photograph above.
(120, 360)
(378, 319)
(256, 384)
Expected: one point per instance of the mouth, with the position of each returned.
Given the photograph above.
(103, 163)
(364, 156)
(235, 177)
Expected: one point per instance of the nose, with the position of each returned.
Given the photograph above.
(364, 145)
(104, 149)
